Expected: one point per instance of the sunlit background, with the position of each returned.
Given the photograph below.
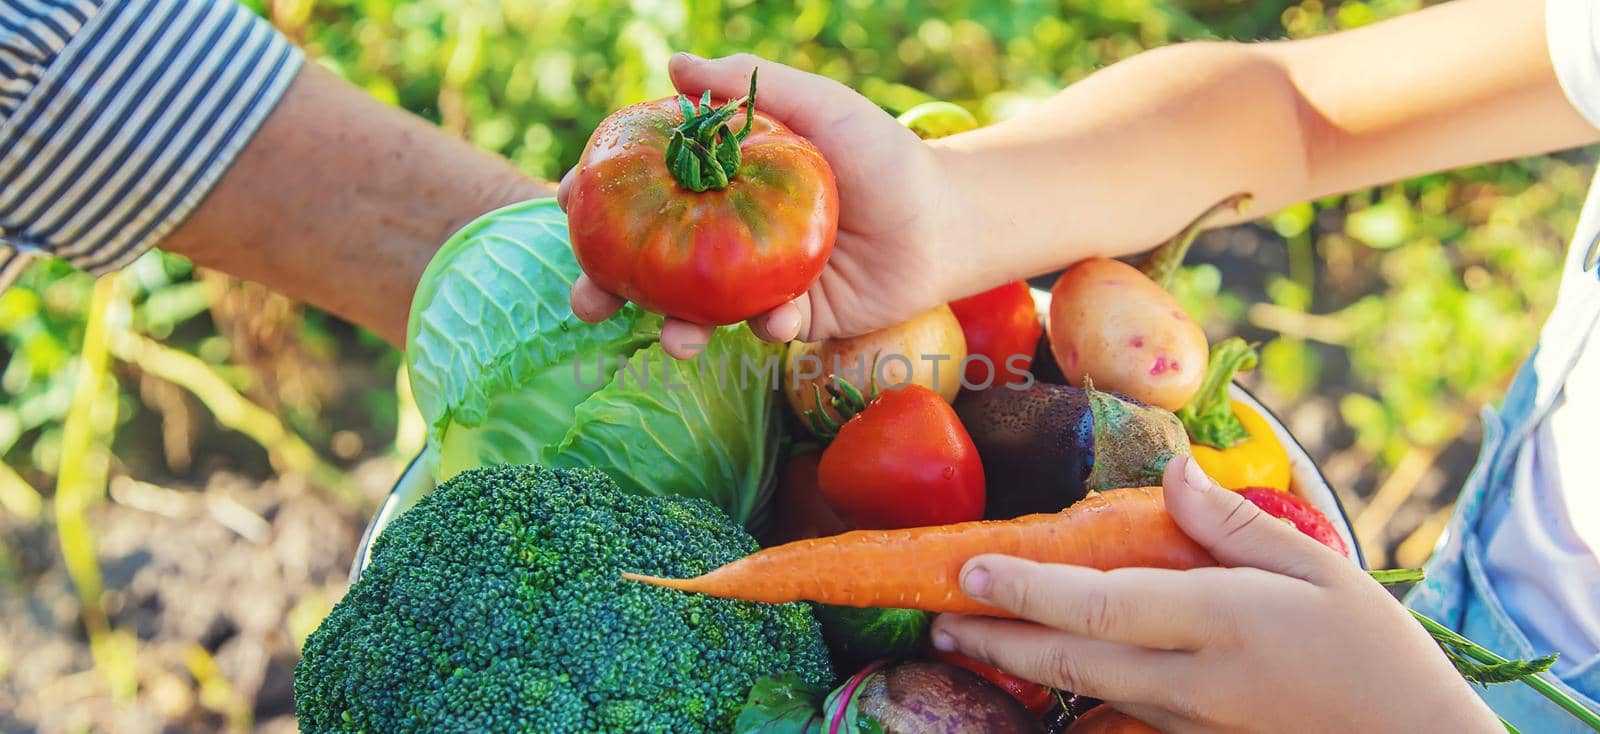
(189, 460)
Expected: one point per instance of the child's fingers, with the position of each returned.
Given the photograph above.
(784, 323)
(1095, 668)
(564, 189)
(683, 340)
(679, 339)
(1236, 531)
(1156, 717)
(1148, 607)
(808, 103)
(591, 303)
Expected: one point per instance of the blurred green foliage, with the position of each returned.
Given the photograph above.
(1457, 267)
(1405, 307)
(1411, 304)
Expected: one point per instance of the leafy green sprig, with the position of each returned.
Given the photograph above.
(1209, 418)
(1483, 667)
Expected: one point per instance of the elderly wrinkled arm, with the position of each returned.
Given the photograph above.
(340, 201)
(194, 126)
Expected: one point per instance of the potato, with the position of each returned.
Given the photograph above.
(927, 350)
(1111, 324)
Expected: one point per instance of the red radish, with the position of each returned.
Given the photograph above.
(1307, 518)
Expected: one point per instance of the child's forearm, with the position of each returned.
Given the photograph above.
(1123, 159)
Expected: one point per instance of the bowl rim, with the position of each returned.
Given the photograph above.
(1341, 521)
(388, 509)
(398, 499)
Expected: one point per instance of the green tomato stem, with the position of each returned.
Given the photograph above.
(1392, 576)
(703, 152)
(845, 398)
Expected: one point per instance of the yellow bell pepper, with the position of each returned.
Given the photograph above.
(1259, 461)
(1232, 442)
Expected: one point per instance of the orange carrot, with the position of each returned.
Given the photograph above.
(918, 568)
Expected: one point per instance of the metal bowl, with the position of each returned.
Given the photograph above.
(1305, 479)
(417, 480)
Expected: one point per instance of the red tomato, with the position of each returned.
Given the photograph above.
(1001, 324)
(801, 511)
(904, 461)
(741, 220)
(1035, 698)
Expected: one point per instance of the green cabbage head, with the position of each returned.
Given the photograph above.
(504, 373)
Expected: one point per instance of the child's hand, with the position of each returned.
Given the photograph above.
(887, 264)
(1290, 637)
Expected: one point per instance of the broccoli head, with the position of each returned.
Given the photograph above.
(497, 604)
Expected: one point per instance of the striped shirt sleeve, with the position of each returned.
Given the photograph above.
(118, 116)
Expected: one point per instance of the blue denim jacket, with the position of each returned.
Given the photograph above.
(1458, 592)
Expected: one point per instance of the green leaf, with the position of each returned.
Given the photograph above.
(504, 373)
(842, 711)
(857, 635)
(1290, 366)
(1294, 220)
(1209, 417)
(1396, 576)
(492, 311)
(938, 119)
(701, 428)
(785, 705)
(1384, 226)
(1509, 671)
(1482, 666)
